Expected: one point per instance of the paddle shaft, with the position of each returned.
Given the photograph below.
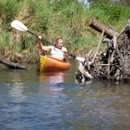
(37, 37)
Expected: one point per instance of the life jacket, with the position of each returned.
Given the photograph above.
(57, 54)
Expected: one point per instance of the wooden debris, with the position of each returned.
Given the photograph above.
(11, 65)
(98, 26)
(114, 62)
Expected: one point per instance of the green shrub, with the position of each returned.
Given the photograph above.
(65, 18)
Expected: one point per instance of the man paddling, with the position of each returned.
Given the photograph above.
(57, 51)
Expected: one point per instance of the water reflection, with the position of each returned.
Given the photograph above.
(56, 77)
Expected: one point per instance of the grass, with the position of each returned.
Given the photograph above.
(67, 19)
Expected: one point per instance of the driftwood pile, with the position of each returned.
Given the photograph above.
(113, 63)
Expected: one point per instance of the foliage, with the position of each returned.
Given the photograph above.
(63, 18)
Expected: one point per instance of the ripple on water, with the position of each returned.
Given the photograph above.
(27, 102)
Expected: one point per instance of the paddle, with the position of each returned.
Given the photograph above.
(21, 27)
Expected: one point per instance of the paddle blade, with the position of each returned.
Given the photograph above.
(19, 26)
(80, 59)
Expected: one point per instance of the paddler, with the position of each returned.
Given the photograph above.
(57, 51)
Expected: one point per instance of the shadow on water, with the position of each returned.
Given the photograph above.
(56, 101)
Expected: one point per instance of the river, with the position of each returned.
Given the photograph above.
(30, 100)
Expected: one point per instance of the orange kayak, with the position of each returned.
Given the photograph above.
(50, 64)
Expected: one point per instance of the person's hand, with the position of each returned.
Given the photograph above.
(39, 38)
(65, 53)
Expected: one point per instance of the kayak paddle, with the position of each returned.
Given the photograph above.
(21, 27)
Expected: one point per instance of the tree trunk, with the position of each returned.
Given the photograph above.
(98, 26)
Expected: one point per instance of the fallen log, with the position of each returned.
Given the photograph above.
(98, 26)
(11, 65)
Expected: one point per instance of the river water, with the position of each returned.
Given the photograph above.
(30, 100)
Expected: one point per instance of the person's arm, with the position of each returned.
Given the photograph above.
(44, 48)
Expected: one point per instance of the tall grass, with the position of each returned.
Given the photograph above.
(65, 18)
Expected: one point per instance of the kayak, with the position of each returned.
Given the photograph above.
(51, 64)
